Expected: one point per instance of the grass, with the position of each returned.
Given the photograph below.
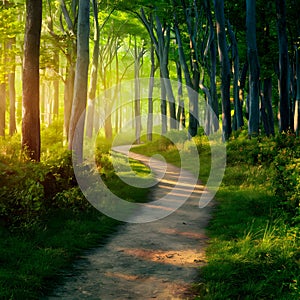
(34, 253)
(254, 246)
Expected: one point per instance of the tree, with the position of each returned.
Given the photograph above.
(81, 80)
(160, 35)
(94, 73)
(253, 69)
(284, 103)
(225, 68)
(31, 113)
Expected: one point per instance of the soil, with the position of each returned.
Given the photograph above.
(155, 260)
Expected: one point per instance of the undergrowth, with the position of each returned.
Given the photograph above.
(45, 221)
(253, 251)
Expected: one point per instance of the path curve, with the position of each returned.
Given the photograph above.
(156, 260)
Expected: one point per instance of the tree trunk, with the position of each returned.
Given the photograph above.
(193, 107)
(214, 105)
(284, 105)
(68, 96)
(150, 95)
(225, 69)
(253, 69)
(56, 87)
(12, 88)
(137, 94)
(268, 104)
(81, 80)
(238, 114)
(31, 142)
(162, 43)
(180, 110)
(297, 104)
(163, 106)
(94, 74)
(2, 107)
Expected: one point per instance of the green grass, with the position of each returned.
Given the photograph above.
(254, 245)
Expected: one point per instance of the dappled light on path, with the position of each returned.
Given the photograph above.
(155, 260)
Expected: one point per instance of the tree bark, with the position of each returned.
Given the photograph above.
(81, 80)
(2, 107)
(225, 69)
(214, 105)
(150, 95)
(254, 69)
(94, 74)
(12, 88)
(138, 54)
(284, 104)
(297, 104)
(238, 114)
(31, 142)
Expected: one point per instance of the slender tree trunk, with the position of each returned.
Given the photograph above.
(297, 104)
(253, 69)
(81, 81)
(56, 87)
(242, 84)
(12, 88)
(193, 107)
(238, 115)
(284, 104)
(225, 68)
(31, 142)
(150, 95)
(94, 74)
(214, 105)
(137, 96)
(2, 108)
(163, 106)
(268, 103)
(68, 97)
(180, 110)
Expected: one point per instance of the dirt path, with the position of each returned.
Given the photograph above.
(156, 260)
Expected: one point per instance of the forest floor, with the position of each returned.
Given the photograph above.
(155, 260)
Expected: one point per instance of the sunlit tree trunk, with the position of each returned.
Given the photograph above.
(254, 69)
(225, 68)
(2, 107)
(56, 87)
(11, 87)
(284, 105)
(31, 142)
(138, 54)
(81, 80)
(94, 74)
(150, 95)
(68, 94)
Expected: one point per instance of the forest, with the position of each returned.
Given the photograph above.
(217, 80)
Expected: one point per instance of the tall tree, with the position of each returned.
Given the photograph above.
(94, 73)
(253, 69)
(31, 113)
(225, 68)
(81, 80)
(284, 104)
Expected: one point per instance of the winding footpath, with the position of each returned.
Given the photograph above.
(155, 260)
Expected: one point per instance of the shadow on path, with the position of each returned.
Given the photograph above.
(156, 260)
